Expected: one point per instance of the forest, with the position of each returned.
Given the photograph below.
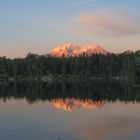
(124, 65)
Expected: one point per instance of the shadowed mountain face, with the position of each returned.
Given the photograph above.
(69, 50)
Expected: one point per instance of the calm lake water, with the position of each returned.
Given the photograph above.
(93, 110)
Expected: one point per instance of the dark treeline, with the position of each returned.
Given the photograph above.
(95, 90)
(121, 65)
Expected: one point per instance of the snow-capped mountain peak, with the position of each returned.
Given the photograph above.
(92, 49)
(65, 50)
(69, 50)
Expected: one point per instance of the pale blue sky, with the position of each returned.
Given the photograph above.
(40, 25)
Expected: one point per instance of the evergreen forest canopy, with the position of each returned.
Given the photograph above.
(95, 66)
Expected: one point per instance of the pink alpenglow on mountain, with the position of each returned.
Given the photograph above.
(67, 50)
(71, 50)
(92, 49)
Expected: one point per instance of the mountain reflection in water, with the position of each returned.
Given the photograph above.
(73, 104)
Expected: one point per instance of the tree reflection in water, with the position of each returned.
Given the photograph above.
(72, 95)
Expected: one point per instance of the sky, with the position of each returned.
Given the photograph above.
(38, 26)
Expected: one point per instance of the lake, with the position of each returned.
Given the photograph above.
(65, 110)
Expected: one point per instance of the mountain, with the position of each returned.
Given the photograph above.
(128, 52)
(66, 50)
(92, 49)
(70, 50)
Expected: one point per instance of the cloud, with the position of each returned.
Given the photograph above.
(108, 23)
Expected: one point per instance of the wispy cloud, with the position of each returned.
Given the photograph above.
(109, 22)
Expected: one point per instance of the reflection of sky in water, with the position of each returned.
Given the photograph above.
(113, 121)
